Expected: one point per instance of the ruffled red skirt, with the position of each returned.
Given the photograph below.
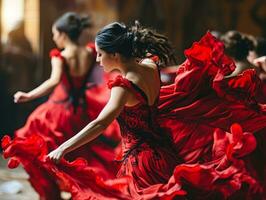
(52, 123)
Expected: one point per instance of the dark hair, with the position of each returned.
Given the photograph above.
(237, 45)
(135, 41)
(260, 46)
(72, 24)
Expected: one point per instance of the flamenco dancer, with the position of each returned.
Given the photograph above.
(74, 102)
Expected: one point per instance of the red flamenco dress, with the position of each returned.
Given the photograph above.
(72, 105)
(189, 144)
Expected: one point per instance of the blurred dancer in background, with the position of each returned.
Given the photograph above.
(75, 100)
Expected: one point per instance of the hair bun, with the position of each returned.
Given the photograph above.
(237, 45)
(85, 22)
(72, 24)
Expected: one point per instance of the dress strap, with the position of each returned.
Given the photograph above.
(91, 46)
(56, 53)
(138, 89)
(123, 82)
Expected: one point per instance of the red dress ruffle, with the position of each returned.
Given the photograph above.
(190, 143)
(57, 120)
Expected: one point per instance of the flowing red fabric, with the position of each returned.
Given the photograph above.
(57, 120)
(202, 139)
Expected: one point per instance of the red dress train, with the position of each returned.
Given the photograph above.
(202, 139)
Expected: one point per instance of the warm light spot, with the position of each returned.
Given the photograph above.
(12, 14)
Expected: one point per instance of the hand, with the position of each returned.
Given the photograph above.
(258, 62)
(21, 97)
(56, 154)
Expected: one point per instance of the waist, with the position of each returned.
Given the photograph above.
(63, 94)
(131, 147)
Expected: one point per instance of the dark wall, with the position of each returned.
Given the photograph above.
(185, 21)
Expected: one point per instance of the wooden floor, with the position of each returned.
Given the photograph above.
(19, 175)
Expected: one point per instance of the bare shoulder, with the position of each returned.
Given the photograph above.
(133, 76)
(85, 52)
(89, 50)
(142, 71)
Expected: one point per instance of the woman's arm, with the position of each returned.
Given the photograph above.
(46, 87)
(112, 109)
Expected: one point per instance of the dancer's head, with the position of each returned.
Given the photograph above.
(69, 27)
(259, 46)
(237, 45)
(131, 42)
(259, 50)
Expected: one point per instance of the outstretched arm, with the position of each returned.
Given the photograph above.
(112, 109)
(46, 87)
